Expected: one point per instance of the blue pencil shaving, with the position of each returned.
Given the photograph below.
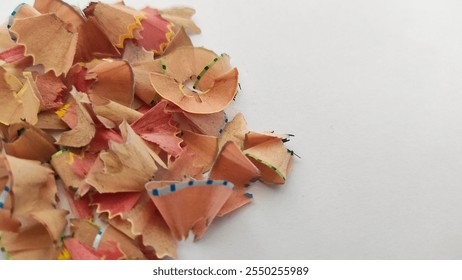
(179, 186)
(98, 237)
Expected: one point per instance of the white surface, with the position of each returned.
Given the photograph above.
(372, 91)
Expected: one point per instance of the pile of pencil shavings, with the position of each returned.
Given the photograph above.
(115, 143)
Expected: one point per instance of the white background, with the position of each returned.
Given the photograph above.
(372, 91)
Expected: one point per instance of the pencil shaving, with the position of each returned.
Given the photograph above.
(114, 137)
